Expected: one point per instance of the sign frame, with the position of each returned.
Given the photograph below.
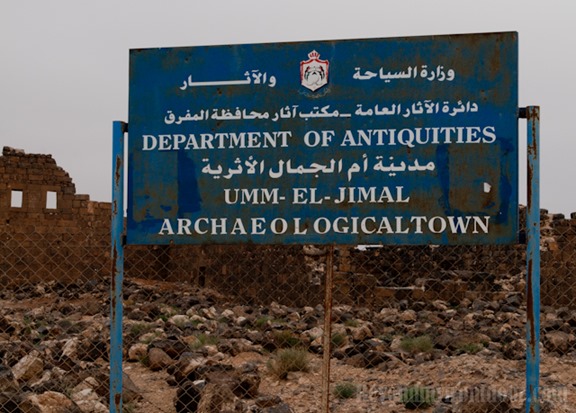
(343, 121)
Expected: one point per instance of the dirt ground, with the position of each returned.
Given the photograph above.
(379, 391)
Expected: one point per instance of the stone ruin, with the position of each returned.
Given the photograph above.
(48, 232)
(44, 225)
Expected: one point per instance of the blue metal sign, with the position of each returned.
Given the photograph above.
(393, 141)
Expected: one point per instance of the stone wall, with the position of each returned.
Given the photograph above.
(558, 256)
(69, 241)
(47, 230)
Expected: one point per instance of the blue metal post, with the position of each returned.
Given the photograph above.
(533, 262)
(118, 130)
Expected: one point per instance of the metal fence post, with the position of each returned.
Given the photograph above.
(533, 262)
(327, 341)
(119, 128)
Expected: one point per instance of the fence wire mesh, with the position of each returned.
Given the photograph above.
(241, 328)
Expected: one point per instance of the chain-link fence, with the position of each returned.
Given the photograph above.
(242, 328)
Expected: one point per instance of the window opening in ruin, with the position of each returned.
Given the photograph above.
(16, 198)
(51, 200)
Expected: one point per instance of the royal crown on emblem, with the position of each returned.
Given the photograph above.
(313, 54)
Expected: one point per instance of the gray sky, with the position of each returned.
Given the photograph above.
(64, 71)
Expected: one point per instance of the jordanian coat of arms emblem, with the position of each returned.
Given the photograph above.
(314, 72)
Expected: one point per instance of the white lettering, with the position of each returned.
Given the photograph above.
(324, 225)
(197, 225)
(257, 226)
(222, 140)
(184, 226)
(279, 226)
(166, 226)
(297, 229)
(238, 227)
(432, 227)
(149, 142)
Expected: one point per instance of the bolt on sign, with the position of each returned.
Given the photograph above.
(386, 141)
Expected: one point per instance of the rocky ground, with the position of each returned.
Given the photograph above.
(193, 350)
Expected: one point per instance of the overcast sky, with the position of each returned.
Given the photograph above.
(64, 71)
